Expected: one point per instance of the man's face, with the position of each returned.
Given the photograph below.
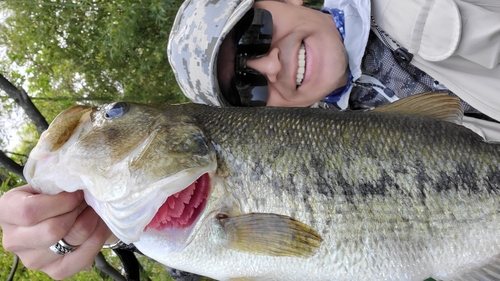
(324, 66)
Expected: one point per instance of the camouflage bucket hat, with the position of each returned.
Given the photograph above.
(197, 34)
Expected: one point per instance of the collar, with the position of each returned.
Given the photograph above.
(357, 20)
(339, 18)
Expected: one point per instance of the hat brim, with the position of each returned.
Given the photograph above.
(197, 34)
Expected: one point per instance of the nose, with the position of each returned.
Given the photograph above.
(268, 65)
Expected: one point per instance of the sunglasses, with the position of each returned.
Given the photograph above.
(252, 36)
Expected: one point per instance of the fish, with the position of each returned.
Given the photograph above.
(402, 192)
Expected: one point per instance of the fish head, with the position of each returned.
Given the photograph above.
(129, 159)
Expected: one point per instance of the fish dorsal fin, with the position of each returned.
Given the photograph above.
(438, 105)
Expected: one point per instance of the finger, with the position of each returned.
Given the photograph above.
(43, 234)
(84, 226)
(23, 207)
(82, 257)
(25, 188)
(63, 266)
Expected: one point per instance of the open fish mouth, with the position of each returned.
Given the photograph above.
(182, 209)
(135, 182)
(169, 207)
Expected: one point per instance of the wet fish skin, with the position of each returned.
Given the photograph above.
(403, 185)
(393, 196)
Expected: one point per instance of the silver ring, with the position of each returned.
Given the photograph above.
(62, 248)
(117, 245)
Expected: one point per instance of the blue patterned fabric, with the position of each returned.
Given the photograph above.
(338, 17)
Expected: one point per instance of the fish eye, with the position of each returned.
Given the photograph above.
(117, 110)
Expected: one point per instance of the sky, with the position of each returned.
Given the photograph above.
(9, 127)
(9, 123)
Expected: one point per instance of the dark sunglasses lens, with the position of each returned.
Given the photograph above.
(252, 90)
(252, 36)
(255, 33)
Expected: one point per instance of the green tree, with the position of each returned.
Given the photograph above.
(86, 52)
(92, 49)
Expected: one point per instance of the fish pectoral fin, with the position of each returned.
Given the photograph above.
(270, 234)
(438, 105)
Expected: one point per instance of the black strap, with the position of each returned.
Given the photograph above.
(132, 267)
(15, 263)
(130, 263)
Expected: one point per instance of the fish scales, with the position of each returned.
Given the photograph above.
(393, 196)
(370, 153)
(389, 179)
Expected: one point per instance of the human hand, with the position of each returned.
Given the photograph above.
(32, 222)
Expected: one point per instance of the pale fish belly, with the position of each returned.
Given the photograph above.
(388, 216)
(354, 248)
(390, 236)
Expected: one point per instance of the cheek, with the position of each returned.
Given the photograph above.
(295, 99)
(275, 98)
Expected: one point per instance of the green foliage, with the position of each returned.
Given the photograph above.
(8, 180)
(152, 270)
(95, 50)
(86, 52)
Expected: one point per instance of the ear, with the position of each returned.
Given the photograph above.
(294, 2)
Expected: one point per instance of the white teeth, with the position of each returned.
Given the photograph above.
(302, 64)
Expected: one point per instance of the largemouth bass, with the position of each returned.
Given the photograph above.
(286, 193)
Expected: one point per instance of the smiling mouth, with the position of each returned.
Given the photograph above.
(301, 64)
(181, 210)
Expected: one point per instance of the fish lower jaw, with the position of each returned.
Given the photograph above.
(172, 226)
(129, 216)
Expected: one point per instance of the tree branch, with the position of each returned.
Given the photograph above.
(17, 154)
(11, 165)
(24, 101)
